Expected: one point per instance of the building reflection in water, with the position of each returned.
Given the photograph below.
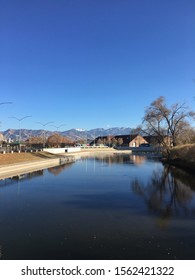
(120, 159)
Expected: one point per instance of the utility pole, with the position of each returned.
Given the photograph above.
(57, 127)
(44, 124)
(21, 119)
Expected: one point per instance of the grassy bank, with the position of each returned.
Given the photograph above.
(23, 157)
(6, 159)
(183, 156)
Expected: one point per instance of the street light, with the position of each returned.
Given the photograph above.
(83, 137)
(21, 119)
(86, 138)
(57, 127)
(94, 138)
(57, 139)
(2, 103)
(44, 124)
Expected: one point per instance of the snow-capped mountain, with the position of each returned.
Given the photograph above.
(75, 134)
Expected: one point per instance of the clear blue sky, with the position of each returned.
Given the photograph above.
(93, 63)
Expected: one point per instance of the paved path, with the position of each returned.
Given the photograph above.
(26, 167)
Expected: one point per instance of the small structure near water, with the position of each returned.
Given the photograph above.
(62, 150)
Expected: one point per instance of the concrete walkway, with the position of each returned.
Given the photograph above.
(16, 169)
(26, 167)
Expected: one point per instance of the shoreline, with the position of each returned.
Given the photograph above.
(40, 161)
(182, 157)
(181, 164)
(17, 169)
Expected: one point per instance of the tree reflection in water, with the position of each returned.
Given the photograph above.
(167, 195)
(56, 170)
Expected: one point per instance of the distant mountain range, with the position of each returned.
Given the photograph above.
(73, 134)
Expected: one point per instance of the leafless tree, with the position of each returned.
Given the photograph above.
(56, 140)
(35, 140)
(120, 141)
(114, 141)
(167, 122)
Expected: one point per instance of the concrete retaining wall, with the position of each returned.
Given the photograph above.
(11, 170)
(62, 150)
(22, 168)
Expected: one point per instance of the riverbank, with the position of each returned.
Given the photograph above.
(7, 159)
(27, 163)
(20, 163)
(183, 157)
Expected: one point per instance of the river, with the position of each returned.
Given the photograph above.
(100, 207)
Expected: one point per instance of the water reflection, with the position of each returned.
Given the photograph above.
(119, 159)
(69, 213)
(56, 170)
(21, 177)
(168, 193)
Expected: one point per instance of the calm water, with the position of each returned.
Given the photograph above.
(111, 207)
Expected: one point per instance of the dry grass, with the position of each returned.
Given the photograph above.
(184, 152)
(23, 157)
(26, 157)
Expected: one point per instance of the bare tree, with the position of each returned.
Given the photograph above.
(35, 140)
(187, 136)
(108, 140)
(114, 141)
(167, 123)
(56, 140)
(120, 141)
(99, 141)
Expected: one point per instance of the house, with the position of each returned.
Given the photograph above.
(130, 140)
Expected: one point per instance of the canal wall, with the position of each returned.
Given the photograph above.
(27, 167)
(62, 150)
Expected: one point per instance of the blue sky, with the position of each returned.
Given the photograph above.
(93, 63)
